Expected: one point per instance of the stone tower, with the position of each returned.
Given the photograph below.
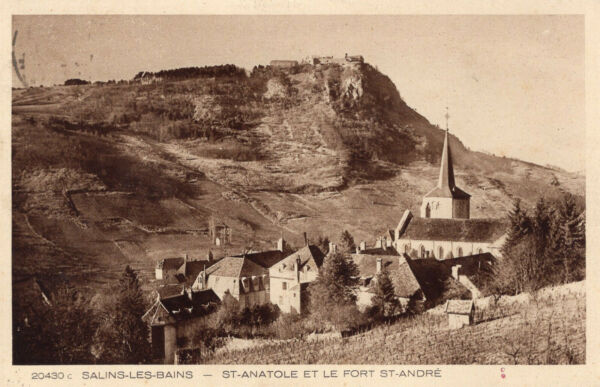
(446, 200)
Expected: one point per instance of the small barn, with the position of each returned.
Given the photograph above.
(460, 313)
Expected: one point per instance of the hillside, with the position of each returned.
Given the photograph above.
(547, 328)
(129, 172)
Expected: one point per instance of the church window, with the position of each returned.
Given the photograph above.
(440, 253)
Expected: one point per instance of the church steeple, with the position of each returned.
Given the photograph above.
(446, 200)
(446, 181)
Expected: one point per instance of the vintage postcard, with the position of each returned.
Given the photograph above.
(297, 195)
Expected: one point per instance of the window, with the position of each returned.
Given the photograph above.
(422, 255)
(407, 248)
(479, 251)
(428, 211)
(460, 252)
(284, 285)
(440, 253)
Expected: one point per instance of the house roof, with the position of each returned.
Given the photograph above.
(170, 263)
(432, 273)
(182, 307)
(399, 269)
(235, 267)
(380, 251)
(463, 230)
(169, 290)
(265, 259)
(459, 306)
(193, 269)
(306, 254)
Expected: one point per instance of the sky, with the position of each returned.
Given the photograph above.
(514, 85)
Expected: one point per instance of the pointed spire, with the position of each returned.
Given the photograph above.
(446, 186)
(446, 180)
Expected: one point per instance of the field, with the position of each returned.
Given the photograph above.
(109, 175)
(546, 328)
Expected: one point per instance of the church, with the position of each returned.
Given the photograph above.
(445, 228)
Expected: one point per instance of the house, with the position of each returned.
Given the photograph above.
(406, 285)
(284, 63)
(460, 313)
(471, 272)
(219, 232)
(242, 278)
(289, 278)
(354, 58)
(175, 320)
(445, 229)
(181, 270)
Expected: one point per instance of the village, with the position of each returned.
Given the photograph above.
(442, 243)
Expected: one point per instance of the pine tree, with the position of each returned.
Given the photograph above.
(384, 302)
(347, 243)
(123, 336)
(519, 223)
(323, 244)
(332, 296)
(571, 243)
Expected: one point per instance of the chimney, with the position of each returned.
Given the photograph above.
(384, 243)
(455, 271)
(305, 239)
(298, 269)
(378, 265)
(209, 256)
(188, 291)
(362, 246)
(378, 243)
(203, 274)
(280, 244)
(185, 257)
(332, 247)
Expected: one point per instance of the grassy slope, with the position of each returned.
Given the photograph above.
(140, 199)
(549, 329)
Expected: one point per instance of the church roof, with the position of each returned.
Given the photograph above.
(457, 230)
(446, 187)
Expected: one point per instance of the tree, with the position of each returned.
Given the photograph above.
(347, 242)
(123, 337)
(519, 224)
(323, 244)
(570, 243)
(61, 333)
(384, 303)
(332, 296)
(545, 248)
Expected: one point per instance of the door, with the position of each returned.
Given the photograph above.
(158, 342)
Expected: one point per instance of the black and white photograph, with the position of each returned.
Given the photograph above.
(298, 190)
